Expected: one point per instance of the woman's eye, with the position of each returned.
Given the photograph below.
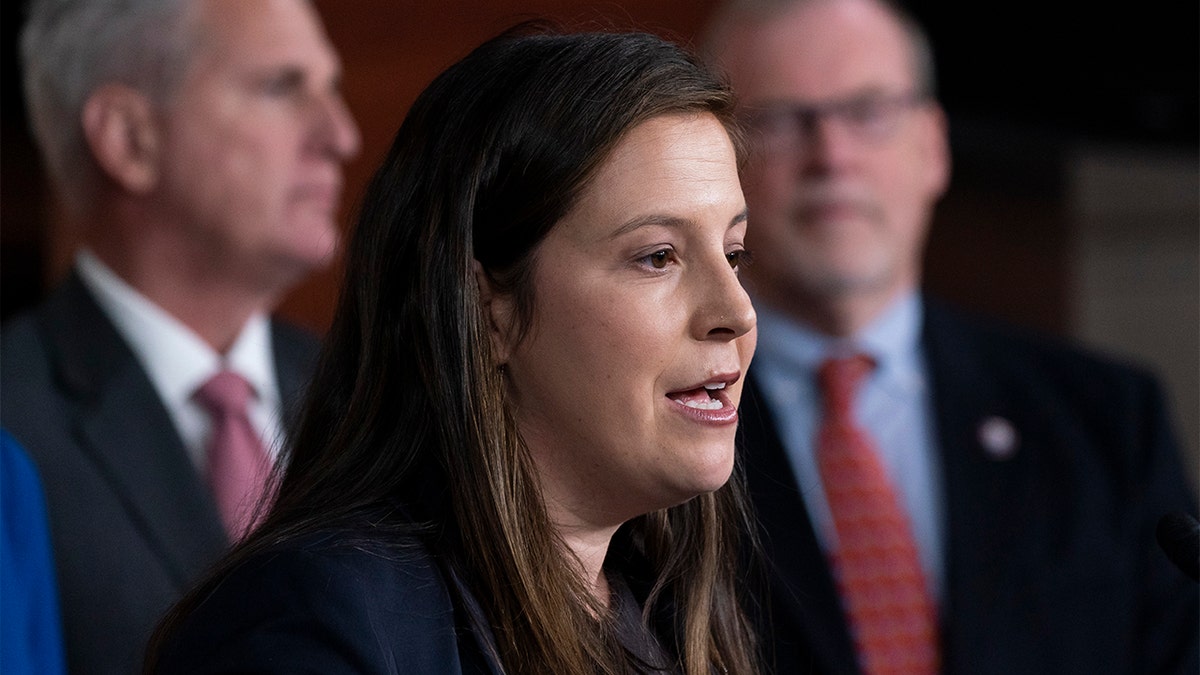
(659, 259)
(738, 259)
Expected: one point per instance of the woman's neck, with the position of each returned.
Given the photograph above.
(589, 544)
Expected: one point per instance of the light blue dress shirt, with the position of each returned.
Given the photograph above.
(895, 406)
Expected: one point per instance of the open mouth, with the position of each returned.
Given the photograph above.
(706, 397)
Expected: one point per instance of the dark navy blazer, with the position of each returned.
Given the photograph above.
(1051, 561)
(341, 603)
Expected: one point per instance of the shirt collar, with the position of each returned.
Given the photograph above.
(892, 339)
(177, 360)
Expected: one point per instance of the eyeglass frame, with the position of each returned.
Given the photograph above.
(803, 118)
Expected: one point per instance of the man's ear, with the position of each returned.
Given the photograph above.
(499, 310)
(120, 129)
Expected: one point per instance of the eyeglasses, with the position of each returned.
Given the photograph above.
(872, 118)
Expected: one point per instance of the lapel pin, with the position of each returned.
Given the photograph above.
(998, 438)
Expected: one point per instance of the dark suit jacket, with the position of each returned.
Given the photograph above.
(132, 522)
(1051, 560)
(332, 604)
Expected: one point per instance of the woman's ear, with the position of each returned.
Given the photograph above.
(499, 310)
(121, 131)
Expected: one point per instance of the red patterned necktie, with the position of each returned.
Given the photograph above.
(890, 613)
(238, 465)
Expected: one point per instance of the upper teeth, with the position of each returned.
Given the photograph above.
(719, 385)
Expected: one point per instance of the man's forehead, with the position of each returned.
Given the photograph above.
(821, 49)
(261, 33)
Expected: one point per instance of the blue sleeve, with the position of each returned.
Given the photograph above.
(31, 639)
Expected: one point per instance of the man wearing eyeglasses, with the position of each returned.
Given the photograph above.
(936, 494)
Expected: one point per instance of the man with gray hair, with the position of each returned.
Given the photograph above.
(936, 493)
(198, 147)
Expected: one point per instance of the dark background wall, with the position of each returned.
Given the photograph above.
(1023, 83)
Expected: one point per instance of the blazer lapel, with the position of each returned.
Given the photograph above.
(123, 427)
(472, 624)
(807, 626)
(986, 474)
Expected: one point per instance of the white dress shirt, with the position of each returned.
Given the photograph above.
(178, 361)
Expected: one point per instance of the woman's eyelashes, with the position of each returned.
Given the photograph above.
(738, 259)
(663, 257)
(659, 259)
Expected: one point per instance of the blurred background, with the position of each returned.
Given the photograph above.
(1075, 201)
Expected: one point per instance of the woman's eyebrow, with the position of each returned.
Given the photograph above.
(649, 220)
(663, 220)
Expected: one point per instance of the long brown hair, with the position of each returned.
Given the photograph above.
(408, 405)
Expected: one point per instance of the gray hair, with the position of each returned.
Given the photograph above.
(71, 47)
(755, 11)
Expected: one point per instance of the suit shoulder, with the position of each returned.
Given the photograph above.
(1032, 352)
(20, 338)
(294, 339)
(322, 603)
(27, 382)
(343, 570)
(296, 351)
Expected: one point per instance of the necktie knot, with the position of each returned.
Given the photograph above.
(840, 379)
(225, 394)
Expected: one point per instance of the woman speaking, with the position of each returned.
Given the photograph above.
(516, 454)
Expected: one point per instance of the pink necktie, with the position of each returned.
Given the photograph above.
(890, 613)
(238, 465)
